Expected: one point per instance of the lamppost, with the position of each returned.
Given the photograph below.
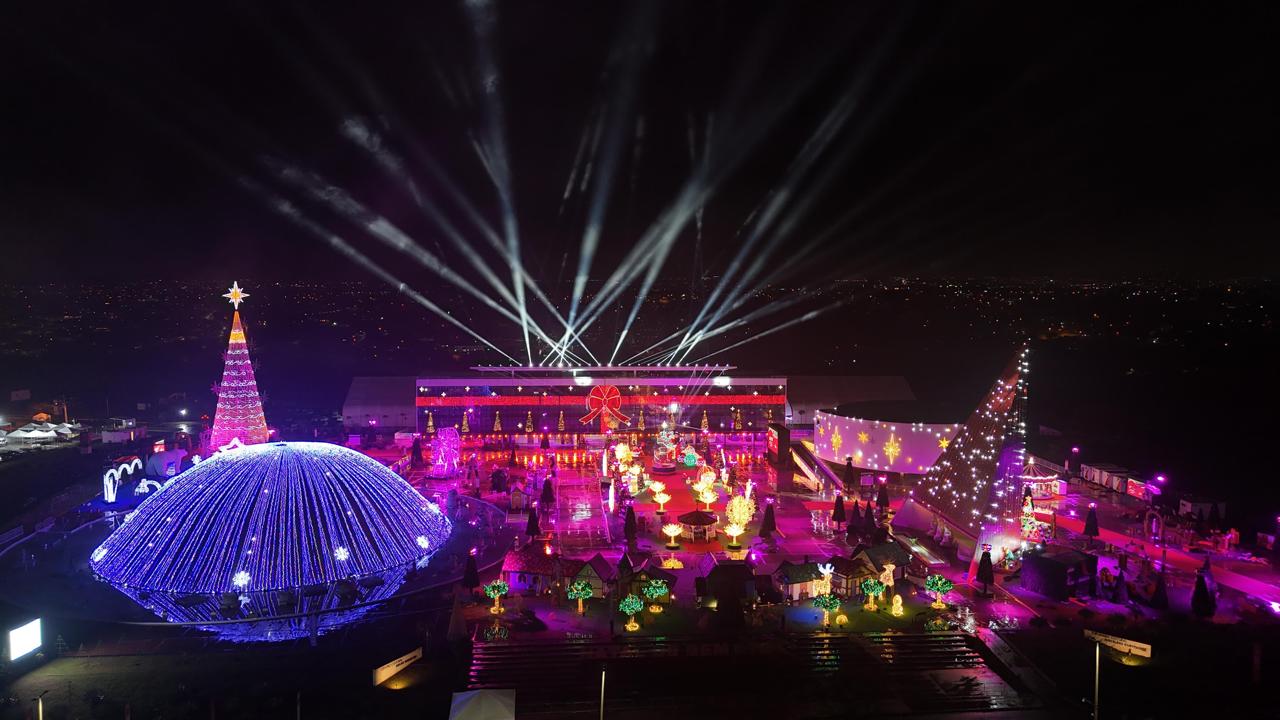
(39, 701)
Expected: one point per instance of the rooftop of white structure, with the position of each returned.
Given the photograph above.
(517, 376)
(577, 369)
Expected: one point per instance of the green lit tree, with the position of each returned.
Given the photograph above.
(496, 590)
(581, 590)
(939, 586)
(827, 603)
(653, 591)
(873, 589)
(630, 606)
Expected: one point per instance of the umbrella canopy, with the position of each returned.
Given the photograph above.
(698, 517)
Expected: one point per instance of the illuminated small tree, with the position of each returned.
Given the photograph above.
(672, 531)
(662, 499)
(939, 586)
(657, 486)
(828, 604)
(581, 590)
(740, 509)
(733, 530)
(629, 606)
(707, 497)
(872, 588)
(653, 591)
(496, 590)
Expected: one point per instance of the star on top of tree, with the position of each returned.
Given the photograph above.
(235, 295)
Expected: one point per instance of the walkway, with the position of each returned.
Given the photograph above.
(581, 519)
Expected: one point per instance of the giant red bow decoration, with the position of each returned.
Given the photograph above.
(604, 402)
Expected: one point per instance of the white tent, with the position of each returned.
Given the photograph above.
(483, 705)
(33, 435)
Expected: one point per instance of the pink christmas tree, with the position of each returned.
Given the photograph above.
(239, 414)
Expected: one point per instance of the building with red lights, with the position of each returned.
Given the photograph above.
(590, 400)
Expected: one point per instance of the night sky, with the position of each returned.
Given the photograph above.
(983, 139)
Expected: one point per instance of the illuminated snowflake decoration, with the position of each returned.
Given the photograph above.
(341, 554)
(863, 438)
(423, 542)
(240, 579)
(98, 554)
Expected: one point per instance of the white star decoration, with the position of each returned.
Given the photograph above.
(235, 295)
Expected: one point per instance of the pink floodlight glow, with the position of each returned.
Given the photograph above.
(1093, 505)
(1161, 478)
(1075, 449)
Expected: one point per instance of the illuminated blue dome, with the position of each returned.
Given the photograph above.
(274, 516)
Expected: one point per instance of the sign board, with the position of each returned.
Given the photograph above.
(384, 673)
(24, 639)
(778, 445)
(1123, 645)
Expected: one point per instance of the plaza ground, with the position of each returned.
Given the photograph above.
(1037, 664)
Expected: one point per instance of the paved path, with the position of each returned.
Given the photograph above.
(581, 521)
